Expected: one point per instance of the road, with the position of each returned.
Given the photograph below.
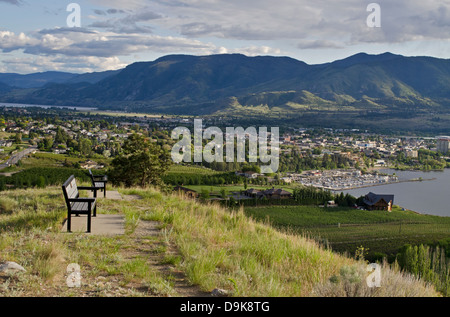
(15, 158)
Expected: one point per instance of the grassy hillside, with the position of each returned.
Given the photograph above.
(346, 229)
(203, 246)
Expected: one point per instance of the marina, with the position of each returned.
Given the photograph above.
(423, 192)
(338, 180)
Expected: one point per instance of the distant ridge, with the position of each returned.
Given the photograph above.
(35, 80)
(185, 84)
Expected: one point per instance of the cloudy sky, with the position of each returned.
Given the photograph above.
(35, 35)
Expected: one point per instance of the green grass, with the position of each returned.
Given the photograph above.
(44, 159)
(345, 229)
(213, 247)
(30, 224)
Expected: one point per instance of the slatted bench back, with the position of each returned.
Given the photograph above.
(70, 190)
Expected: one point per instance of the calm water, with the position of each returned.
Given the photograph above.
(426, 197)
(20, 105)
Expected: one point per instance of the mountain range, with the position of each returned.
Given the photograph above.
(183, 84)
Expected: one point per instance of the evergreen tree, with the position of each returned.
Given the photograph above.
(141, 163)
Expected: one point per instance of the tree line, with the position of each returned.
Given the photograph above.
(428, 263)
(309, 195)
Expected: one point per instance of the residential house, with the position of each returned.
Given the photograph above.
(91, 165)
(269, 193)
(6, 143)
(254, 193)
(248, 174)
(277, 194)
(374, 201)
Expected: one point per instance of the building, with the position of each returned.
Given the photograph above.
(443, 144)
(6, 143)
(91, 165)
(411, 153)
(378, 202)
(277, 194)
(248, 174)
(269, 193)
(254, 193)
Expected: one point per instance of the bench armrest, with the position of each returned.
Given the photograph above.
(87, 188)
(82, 200)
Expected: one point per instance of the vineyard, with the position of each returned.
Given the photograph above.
(190, 170)
(346, 229)
(200, 177)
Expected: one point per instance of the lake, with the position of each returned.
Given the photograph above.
(427, 197)
(20, 105)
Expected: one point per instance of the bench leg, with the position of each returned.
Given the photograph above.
(104, 191)
(95, 208)
(89, 222)
(68, 222)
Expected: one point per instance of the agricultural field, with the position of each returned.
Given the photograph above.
(191, 170)
(44, 159)
(346, 229)
(229, 189)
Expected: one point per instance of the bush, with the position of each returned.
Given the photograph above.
(376, 256)
(351, 282)
(7, 205)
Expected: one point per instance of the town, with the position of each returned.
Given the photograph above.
(323, 158)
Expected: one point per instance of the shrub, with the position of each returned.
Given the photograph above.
(351, 282)
(7, 205)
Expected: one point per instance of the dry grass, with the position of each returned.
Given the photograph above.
(223, 249)
(213, 247)
(393, 284)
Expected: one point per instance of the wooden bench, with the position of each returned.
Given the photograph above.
(77, 205)
(99, 182)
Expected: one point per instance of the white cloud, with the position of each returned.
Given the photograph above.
(126, 23)
(252, 50)
(9, 41)
(121, 29)
(320, 20)
(82, 64)
(318, 44)
(88, 43)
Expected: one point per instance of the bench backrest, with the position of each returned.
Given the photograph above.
(91, 175)
(70, 190)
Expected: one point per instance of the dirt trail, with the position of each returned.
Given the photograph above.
(148, 236)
